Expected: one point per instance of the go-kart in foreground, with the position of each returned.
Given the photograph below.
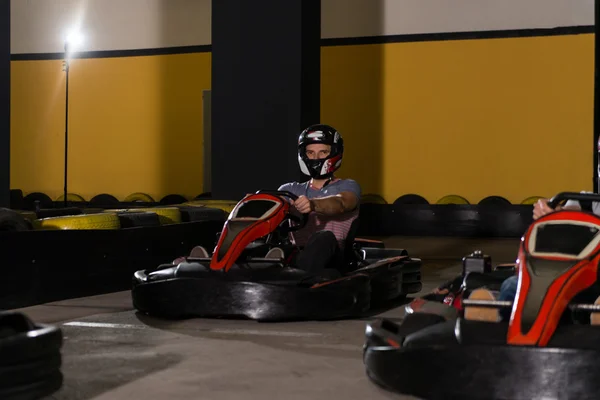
(548, 349)
(250, 273)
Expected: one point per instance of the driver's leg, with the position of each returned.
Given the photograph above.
(320, 252)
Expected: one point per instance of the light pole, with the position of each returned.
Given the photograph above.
(70, 43)
(66, 69)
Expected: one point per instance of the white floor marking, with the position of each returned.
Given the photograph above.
(264, 333)
(103, 325)
(216, 330)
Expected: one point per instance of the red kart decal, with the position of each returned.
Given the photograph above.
(544, 294)
(255, 216)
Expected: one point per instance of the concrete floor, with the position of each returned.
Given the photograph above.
(111, 352)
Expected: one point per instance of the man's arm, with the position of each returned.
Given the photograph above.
(335, 205)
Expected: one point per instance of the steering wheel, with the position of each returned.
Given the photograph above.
(581, 197)
(300, 221)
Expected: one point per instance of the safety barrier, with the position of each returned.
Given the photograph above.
(408, 215)
(27, 202)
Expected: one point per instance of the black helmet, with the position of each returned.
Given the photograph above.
(325, 167)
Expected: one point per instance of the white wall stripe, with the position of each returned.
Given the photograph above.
(39, 26)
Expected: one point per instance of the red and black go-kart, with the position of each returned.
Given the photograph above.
(549, 348)
(248, 276)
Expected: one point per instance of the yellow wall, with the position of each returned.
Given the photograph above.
(135, 125)
(509, 117)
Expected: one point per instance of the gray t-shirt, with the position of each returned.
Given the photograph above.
(339, 224)
(334, 187)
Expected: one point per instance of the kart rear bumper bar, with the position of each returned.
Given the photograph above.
(508, 304)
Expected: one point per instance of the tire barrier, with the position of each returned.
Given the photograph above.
(139, 197)
(58, 212)
(30, 358)
(166, 215)
(104, 200)
(52, 270)
(412, 214)
(33, 200)
(172, 199)
(192, 214)
(71, 197)
(411, 199)
(452, 199)
(100, 221)
(531, 200)
(372, 199)
(133, 219)
(494, 201)
(443, 220)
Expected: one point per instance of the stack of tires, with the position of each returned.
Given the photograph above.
(30, 358)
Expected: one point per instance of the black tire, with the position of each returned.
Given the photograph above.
(138, 219)
(30, 358)
(11, 221)
(104, 200)
(192, 214)
(411, 199)
(205, 195)
(494, 201)
(372, 199)
(44, 200)
(172, 199)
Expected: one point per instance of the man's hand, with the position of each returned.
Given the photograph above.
(303, 205)
(542, 208)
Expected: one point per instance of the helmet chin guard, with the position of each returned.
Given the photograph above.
(325, 167)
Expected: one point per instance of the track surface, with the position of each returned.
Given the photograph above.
(111, 352)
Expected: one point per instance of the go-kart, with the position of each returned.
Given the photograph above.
(251, 272)
(549, 347)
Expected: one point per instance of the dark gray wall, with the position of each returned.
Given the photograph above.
(4, 103)
(265, 90)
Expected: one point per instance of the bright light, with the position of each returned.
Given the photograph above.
(73, 41)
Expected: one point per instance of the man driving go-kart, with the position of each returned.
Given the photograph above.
(332, 203)
(285, 254)
(508, 289)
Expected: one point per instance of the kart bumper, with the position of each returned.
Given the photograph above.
(284, 296)
(270, 291)
(469, 360)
